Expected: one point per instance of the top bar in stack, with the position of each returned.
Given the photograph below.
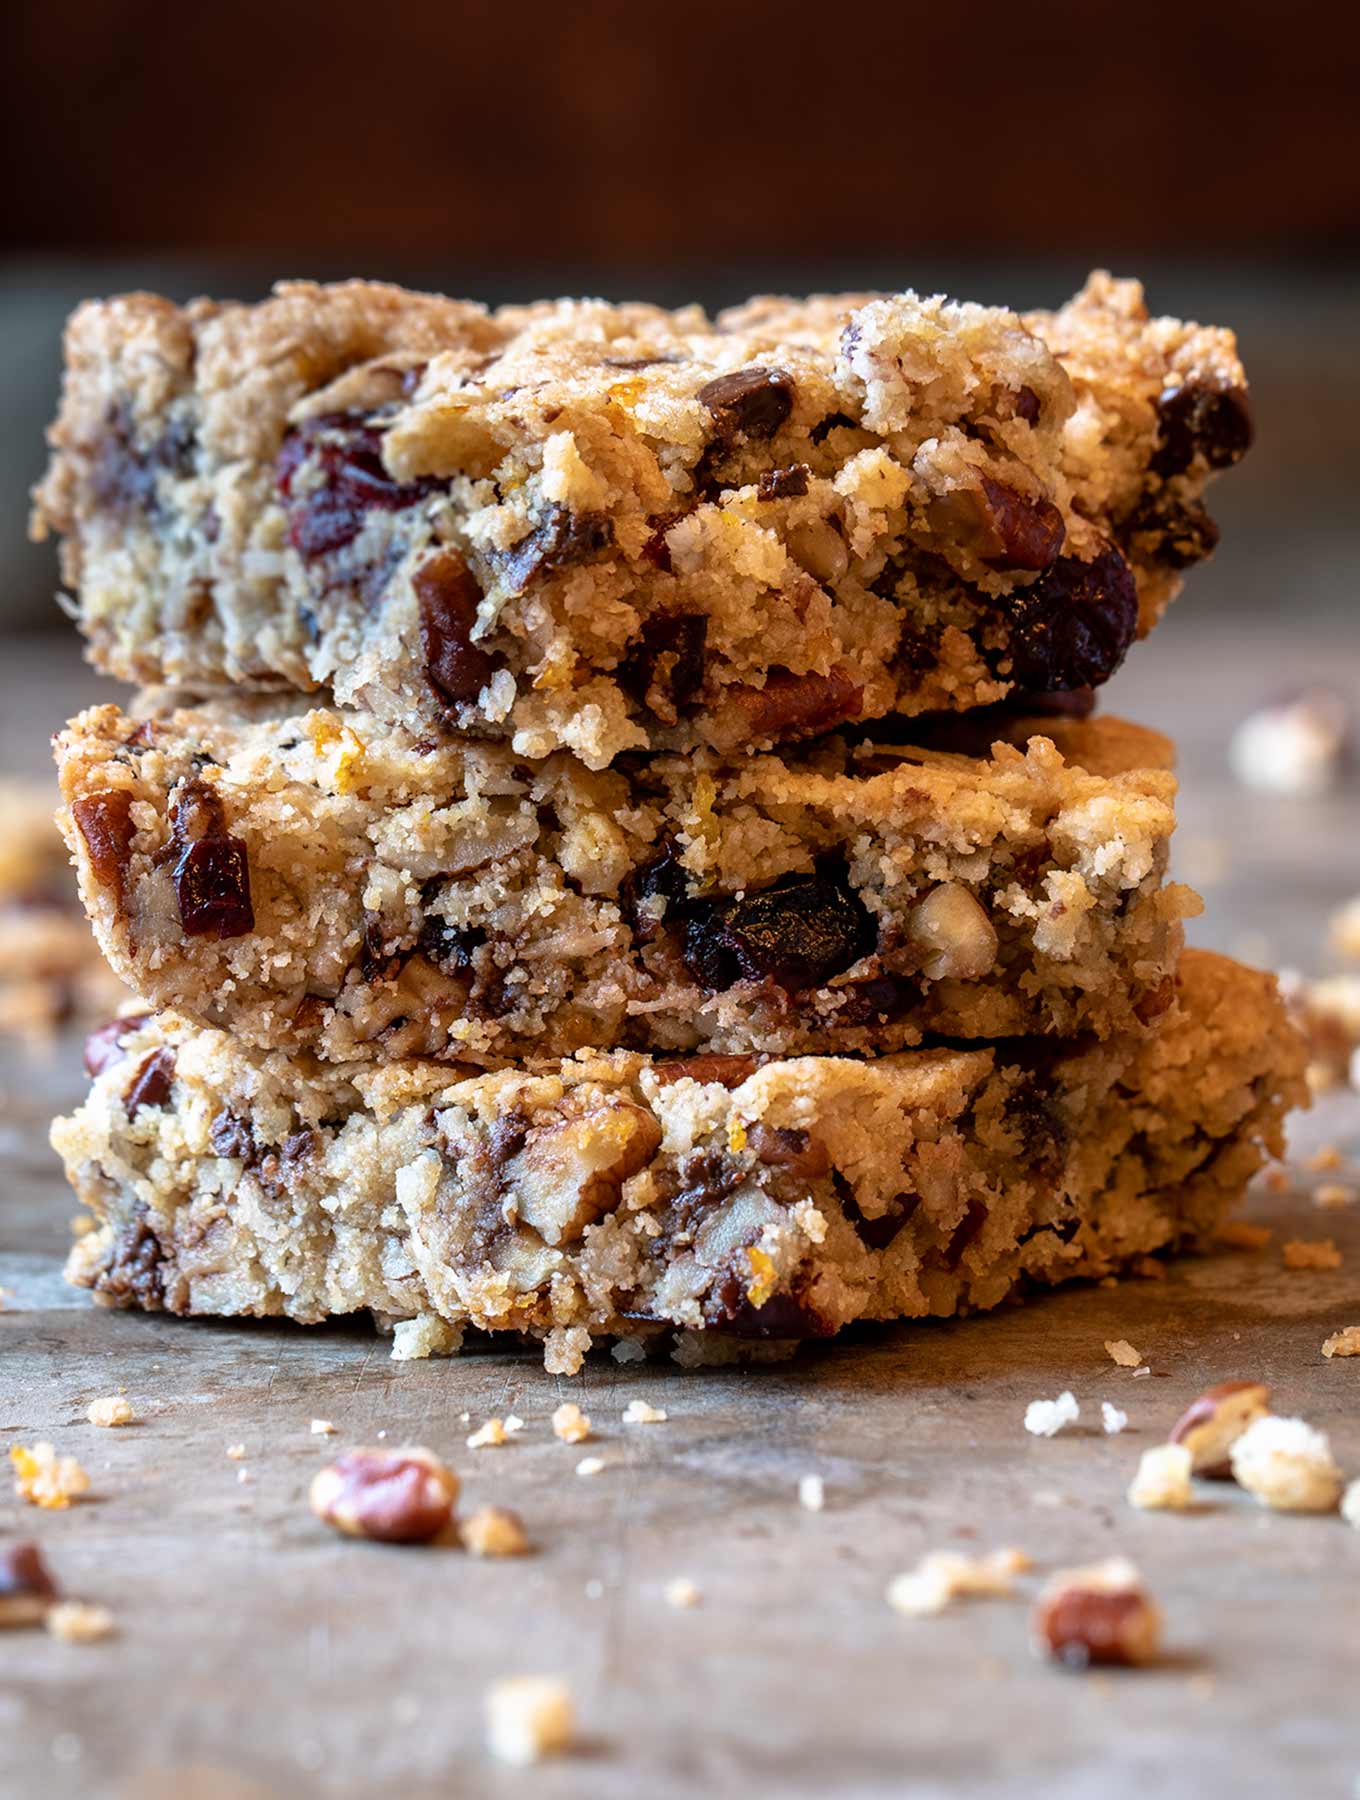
(609, 528)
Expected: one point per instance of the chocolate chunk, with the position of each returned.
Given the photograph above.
(798, 934)
(1177, 533)
(352, 483)
(786, 1147)
(1073, 626)
(560, 540)
(783, 484)
(748, 403)
(448, 596)
(876, 1233)
(150, 1085)
(105, 822)
(968, 1227)
(104, 1045)
(124, 473)
(664, 878)
(1198, 420)
(836, 421)
(666, 669)
(781, 1316)
(132, 1275)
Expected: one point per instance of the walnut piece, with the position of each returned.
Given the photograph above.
(1211, 1425)
(1097, 1615)
(571, 1173)
(1345, 1342)
(529, 1717)
(395, 1496)
(951, 924)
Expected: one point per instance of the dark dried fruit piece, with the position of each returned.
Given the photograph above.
(27, 1589)
(1198, 420)
(999, 525)
(104, 1045)
(449, 947)
(786, 1147)
(1177, 533)
(783, 484)
(876, 1001)
(663, 878)
(346, 449)
(748, 403)
(666, 669)
(132, 1275)
(232, 1136)
(1074, 625)
(560, 540)
(151, 1084)
(448, 597)
(212, 888)
(105, 823)
(781, 1316)
(798, 934)
(876, 1233)
(123, 473)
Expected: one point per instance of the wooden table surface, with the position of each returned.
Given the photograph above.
(259, 1656)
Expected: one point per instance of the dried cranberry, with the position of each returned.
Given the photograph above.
(664, 878)
(560, 540)
(876, 1002)
(1073, 626)
(104, 1046)
(748, 403)
(346, 450)
(150, 1085)
(449, 947)
(670, 658)
(798, 933)
(448, 598)
(105, 823)
(133, 1272)
(1177, 533)
(783, 484)
(1198, 420)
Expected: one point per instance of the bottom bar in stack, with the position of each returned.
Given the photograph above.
(713, 1199)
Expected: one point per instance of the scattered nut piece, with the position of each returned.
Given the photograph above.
(954, 927)
(1324, 1160)
(1046, 1418)
(494, 1531)
(1350, 1505)
(1211, 1425)
(1122, 1352)
(244, 1477)
(395, 1496)
(1287, 1465)
(1163, 1479)
(638, 1412)
(570, 1424)
(590, 1465)
(322, 1428)
(1276, 1181)
(1112, 1418)
(27, 1590)
(112, 1410)
(811, 1492)
(529, 1717)
(1332, 1194)
(681, 1592)
(1243, 1236)
(1310, 1253)
(236, 1451)
(488, 1436)
(1345, 1342)
(75, 1622)
(45, 1479)
(944, 1574)
(1098, 1615)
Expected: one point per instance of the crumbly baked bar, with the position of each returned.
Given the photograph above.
(605, 528)
(316, 879)
(51, 971)
(616, 1196)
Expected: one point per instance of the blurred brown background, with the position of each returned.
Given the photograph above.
(703, 152)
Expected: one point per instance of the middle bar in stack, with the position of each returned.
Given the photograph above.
(315, 880)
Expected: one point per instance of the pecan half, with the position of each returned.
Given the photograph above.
(396, 1496)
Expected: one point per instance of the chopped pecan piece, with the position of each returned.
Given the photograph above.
(570, 1173)
(788, 706)
(1099, 1615)
(105, 823)
(395, 1496)
(150, 1086)
(1000, 526)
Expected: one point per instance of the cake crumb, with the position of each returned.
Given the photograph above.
(944, 1574)
(1310, 1253)
(1113, 1419)
(811, 1492)
(1241, 1235)
(244, 1477)
(45, 1479)
(1350, 1505)
(590, 1465)
(1122, 1352)
(493, 1531)
(529, 1717)
(513, 1424)
(681, 1592)
(570, 1424)
(1163, 1479)
(236, 1451)
(1287, 1465)
(1333, 1194)
(1325, 1160)
(1345, 1342)
(1276, 1181)
(322, 1428)
(76, 1622)
(112, 1410)
(1046, 1418)
(488, 1436)
(1344, 928)
(638, 1412)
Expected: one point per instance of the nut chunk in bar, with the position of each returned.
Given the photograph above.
(313, 879)
(719, 1198)
(605, 528)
